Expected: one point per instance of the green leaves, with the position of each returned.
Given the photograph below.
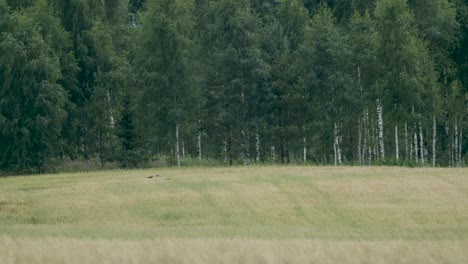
(31, 101)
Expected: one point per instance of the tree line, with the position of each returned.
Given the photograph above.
(357, 82)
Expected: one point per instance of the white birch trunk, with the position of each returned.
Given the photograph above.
(244, 157)
(455, 143)
(380, 127)
(183, 148)
(421, 144)
(111, 110)
(273, 155)
(460, 150)
(376, 145)
(199, 145)
(434, 141)
(335, 153)
(305, 149)
(337, 146)
(453, 152)
(411, 149)
(340, 157)
(369, 156)
(416, 159)
(257, 145)
(177, 146)
(397, 151)
(366, 137)
(359, 141)
(406, 141)
(225, 152)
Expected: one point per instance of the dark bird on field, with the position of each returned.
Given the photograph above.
(150, 177)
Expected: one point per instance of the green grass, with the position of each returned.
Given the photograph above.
(263, 202)
(366, 205)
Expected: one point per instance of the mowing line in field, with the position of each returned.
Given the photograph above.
(297, 206)
(330, 207)
(260, 220)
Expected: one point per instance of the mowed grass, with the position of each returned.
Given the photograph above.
(237, 215)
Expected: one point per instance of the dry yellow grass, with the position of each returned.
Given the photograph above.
(237, 215)
(173, 251)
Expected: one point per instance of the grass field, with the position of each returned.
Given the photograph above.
(237, 215)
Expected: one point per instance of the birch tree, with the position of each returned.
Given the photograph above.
(166, 44)
(329, 80)
(232, 47)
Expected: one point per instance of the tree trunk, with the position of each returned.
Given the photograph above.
(111, 110)
(416, 159)
(397, 151)
(447, 122)
(455, 143)
(177, 149)
(244, 154)
(375, 141)
(273, 155)
(406, 141)
(257, 145)
(460, 148)
(229, 149)
(381, 132)
(199, 145)
(421, 143)
(183, 147)
(359, 141)
(366, 138)
(337, 145)
(434, 141)
(305, 149)
(225, 149)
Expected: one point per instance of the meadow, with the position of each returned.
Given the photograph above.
(270, 214)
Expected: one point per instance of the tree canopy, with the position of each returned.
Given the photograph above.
(234, 82)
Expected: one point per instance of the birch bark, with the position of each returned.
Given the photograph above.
(359, 141)
(338, 160)
(397, 153)
(335, 144)
(199, 145)
(273, 155)
(380, 127)
(455, 143)
(447, 122)
(460, 147)
(257, 145)
(366, 137)
(111, 110)
(305, 149)
(416, 159)
(434, 141)
(406, 141)
(177, 146)
(421, 143)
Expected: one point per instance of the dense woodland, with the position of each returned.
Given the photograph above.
(350, 82)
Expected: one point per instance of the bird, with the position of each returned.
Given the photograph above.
(150, 177)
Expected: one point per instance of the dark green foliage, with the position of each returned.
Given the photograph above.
(165, 71)
(238, 81)
(130, 155)
(31, 100)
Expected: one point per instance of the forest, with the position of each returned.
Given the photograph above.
(233, 82)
